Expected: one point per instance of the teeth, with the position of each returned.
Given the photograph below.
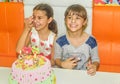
(73, 26)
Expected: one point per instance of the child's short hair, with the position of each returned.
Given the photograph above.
(77, 9)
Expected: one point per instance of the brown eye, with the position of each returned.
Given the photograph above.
(39, 18)
(78, 18)
(69, 17)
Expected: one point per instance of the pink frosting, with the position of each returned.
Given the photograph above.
(38, 74)
(29, 62)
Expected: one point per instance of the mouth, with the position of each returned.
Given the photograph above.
(36, 25)
(73, 25)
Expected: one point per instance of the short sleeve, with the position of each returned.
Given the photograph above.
(93, 49)
(58, 51)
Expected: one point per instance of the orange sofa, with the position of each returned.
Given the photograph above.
(106, 29)
(11, 25)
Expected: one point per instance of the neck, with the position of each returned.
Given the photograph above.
(75, 34)
(43, 34)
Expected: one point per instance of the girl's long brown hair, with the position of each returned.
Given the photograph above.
(49, 13)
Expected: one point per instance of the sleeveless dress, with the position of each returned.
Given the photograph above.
(44, 46)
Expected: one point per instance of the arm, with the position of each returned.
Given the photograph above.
(58, 62)
(96, 64)
(52, 58)
(93, 66)
(52, 53)
(22, 41)
(24, 38)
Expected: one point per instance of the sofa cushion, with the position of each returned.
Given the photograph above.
(106, 29)
(11, 26)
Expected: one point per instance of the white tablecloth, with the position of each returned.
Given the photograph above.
(65, 76)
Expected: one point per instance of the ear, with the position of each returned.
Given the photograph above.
(50, 19)
(85, 22)
(65, 21)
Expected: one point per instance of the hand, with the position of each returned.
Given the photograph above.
(69, 63)
(92, 68)
(52, 62)
(28, 22)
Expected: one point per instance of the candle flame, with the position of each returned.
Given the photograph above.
(20, 52)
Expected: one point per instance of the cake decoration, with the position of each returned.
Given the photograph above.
(29, 58)
(31, 68)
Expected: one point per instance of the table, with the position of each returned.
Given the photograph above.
(65, 76)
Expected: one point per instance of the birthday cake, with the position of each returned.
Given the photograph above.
(31, 68)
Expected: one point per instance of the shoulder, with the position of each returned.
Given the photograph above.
(52, 33)
(51, 37)
(91, 41)
(62, 40)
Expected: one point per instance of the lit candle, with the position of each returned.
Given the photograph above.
(20, 55)
(20, 52)
(35, 55)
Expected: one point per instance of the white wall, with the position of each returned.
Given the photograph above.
(59, 7)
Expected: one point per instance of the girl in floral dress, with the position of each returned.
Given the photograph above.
(40, 31)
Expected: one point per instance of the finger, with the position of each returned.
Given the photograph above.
(71, 58)
(77, 59)
(89, 63)
(92, 74)
(73, 65)
(91, 71)
(74, 61)
(88, 67)
(91, 66)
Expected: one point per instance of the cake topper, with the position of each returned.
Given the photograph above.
(30, 57)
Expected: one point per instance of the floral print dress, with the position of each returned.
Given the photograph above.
(44, 46)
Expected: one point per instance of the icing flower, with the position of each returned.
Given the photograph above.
(29, 62)
(35, 50)
(30, 58)
(27, 50)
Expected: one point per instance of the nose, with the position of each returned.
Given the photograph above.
(73, 20)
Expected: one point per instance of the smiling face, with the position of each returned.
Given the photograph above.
(74, 21)
(75, 18)
(40, 20)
